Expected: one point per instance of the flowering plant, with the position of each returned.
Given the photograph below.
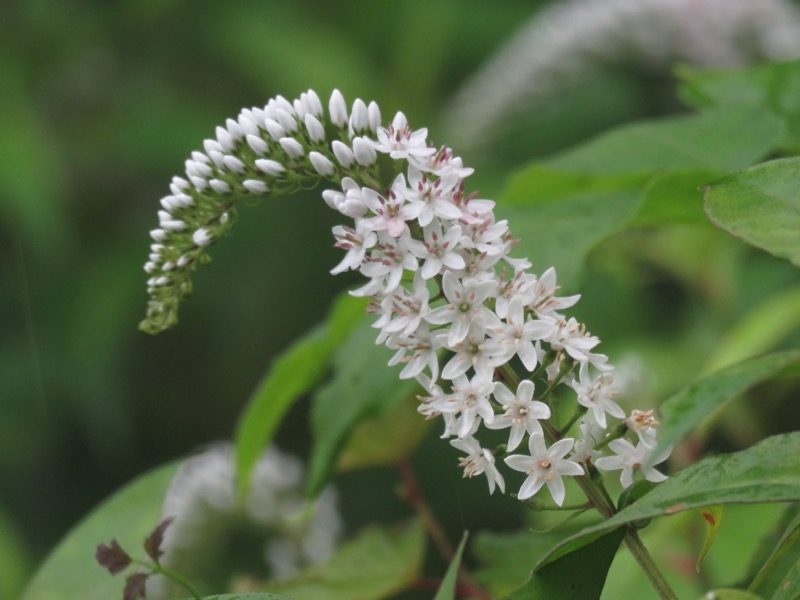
(483, 345)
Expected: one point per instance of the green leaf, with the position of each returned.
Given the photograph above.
(772, 88)
(760, 206)
(447, 590)
(128, 516)
(712, 515)
(375, 565)
(790, 587)
(578, 575)
(385, 439)
(686, 409)
(722, 140)
(729, 594)
(789, 537)
(362, 386)
(15, 564)
(674, 198)
(293, 374)
(559, 217)
(767, 472)
(760, 330)
(506, 558)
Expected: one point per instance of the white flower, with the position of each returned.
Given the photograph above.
(466, 304)
(356, 242)
(478, 460)
(399, 141)
(597, 394)
(522, 413)
(545, 466)
(437, 250)
(469, 400)
(630, 458)
(517, 336)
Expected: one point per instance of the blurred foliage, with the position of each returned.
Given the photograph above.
(102, 102)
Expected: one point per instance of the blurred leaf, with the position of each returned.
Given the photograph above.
(721, 140)
(559, 217)
(767, 472)
(293, 374)
(761, 206)
(384, 439)
(506, 558)
(15, 566)
(685, 410)
(772, 88)
(789, 537)
(729, 594)
(578, 575)
(376, 564)
(674, 197)
(128, 516)
(31, 172)
(362, 386)
(447, 589)
(712, 515)
(758, 331)
(790, 588)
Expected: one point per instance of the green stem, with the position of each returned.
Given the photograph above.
(170, 574)
(648, 565)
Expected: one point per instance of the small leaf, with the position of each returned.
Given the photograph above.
(293, 374)
(135, 586)
(712, 515)
(152, 544)
(674, 197)
(684, 411)
(761, 206)
(377, 564)
(578, 575)
(447, 590)
(112, 557)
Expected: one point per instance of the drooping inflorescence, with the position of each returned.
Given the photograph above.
(486, 338)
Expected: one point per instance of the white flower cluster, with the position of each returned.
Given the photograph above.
(465, 318)
(207, 514)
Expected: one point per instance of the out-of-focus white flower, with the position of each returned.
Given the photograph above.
(208, 517)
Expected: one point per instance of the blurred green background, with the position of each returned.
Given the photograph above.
(101, 102)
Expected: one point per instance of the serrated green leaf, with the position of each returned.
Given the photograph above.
(761, 206)
(447, 589)
(362, 386)
(292, 374)
(712, 516)
(767, 472)
(128, 516)
(378, 563)
(789, 537)
(559, 217)
(686, 409)
(722, 140)
(577, 575)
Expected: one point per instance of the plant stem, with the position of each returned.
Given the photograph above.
(176, 577)
(648, 565)
(414, 496)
